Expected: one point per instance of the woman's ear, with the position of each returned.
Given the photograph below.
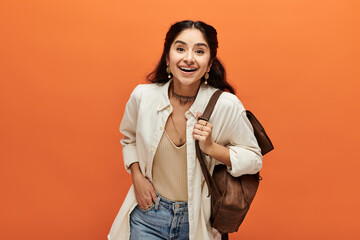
(167, 60)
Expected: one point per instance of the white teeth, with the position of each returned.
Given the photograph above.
(188, 69)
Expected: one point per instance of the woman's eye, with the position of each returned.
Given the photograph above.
(180, 49)
(199, 51)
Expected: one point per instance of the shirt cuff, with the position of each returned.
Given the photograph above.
(130, 157)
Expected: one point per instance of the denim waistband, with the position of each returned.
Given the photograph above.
(169, 204)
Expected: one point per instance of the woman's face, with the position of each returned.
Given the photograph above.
(189, 57)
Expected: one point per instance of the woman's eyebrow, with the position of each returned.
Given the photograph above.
(184, 43)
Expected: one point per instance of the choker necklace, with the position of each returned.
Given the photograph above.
(182, 99)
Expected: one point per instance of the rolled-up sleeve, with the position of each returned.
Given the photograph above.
(245, 153)
(128, 129)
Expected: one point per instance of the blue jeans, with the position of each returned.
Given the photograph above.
(164, 220)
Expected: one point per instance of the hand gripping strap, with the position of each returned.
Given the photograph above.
(200, 155)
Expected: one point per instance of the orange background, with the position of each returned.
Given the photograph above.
(68, 67)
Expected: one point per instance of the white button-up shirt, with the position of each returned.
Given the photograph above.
(143, 124)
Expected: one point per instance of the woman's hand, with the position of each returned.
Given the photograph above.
(216, 234)
(144, 190)
(202, 132)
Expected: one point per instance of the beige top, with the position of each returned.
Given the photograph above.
(170, 170)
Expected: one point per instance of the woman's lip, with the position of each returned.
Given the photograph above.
(187, 73)
(187, 67)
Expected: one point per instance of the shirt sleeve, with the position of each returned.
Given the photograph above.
(128, 129)
(245, 153)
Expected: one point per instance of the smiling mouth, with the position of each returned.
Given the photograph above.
(188, 69)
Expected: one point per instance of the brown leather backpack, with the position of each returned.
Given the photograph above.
(231, 196)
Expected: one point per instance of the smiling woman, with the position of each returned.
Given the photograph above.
(188, 60)
(168, 198)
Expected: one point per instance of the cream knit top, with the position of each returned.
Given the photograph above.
(170, 170)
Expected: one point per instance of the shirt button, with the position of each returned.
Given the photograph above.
(152, 149)
(161, 127)
(168, 108)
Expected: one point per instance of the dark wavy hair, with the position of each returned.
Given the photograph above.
(217, 74)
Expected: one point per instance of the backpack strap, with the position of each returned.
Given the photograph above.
(211, 105)
(224, 236)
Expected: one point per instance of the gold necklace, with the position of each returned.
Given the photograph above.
(180, 139)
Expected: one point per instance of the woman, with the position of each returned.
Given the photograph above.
(168, 198)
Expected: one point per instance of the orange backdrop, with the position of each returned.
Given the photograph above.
(68, 67)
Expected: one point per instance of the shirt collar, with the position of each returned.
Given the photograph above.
(165, 101)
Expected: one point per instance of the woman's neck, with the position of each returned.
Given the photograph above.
(186, 90)
(187, 96)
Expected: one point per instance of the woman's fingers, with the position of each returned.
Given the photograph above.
(199, 137)
(143, 203)
(149, 194)
(146, 202)
(203, 132)
(201, 124)
(144, 192)
(153, 195)
(146, 206)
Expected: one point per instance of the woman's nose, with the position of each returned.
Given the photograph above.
(189, 59)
